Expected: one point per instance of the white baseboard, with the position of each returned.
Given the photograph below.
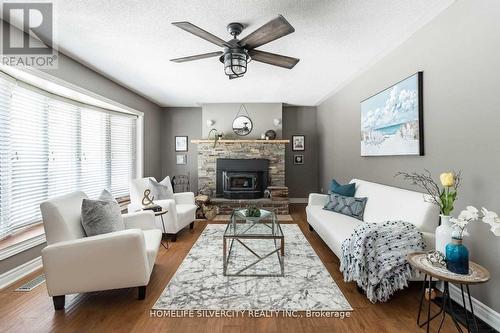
(482, 311)
(15, 274)
(298, 200)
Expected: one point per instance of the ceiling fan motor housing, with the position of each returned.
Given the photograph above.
(235, 28)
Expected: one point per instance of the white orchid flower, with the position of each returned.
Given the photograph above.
(495, 230)
(472, 209)
(469, 214)
(460, 225)
(489, 216)
(492, 219)
(474, 213)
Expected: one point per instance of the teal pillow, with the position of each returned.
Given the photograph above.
(354, 207)
(347, 190)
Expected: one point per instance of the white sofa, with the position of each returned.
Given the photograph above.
(181, 209)
(74, 263)
(384, 203)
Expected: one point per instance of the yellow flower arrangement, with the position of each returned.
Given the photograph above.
(447, 179)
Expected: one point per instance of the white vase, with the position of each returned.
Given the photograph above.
(443, 234)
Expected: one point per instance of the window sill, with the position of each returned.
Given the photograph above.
(34, 236)
(22, 241)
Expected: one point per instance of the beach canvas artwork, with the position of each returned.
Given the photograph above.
(391, 121)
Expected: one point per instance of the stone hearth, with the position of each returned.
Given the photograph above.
(226, 206)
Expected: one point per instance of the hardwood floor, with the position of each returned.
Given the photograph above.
(120, 311)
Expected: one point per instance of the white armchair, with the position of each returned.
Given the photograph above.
(181, 209)
(74, 263)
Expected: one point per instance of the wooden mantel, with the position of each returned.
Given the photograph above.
(197, 141)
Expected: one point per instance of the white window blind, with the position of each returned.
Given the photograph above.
(50, 146)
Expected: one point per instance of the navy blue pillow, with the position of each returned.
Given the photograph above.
(347, 190)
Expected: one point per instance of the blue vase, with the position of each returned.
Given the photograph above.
(457, 257)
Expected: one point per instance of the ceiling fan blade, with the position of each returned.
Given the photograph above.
(270, 31)
(198, 56)
(273, 59)
(197, 31)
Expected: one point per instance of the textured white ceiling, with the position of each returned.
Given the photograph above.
(131, 42)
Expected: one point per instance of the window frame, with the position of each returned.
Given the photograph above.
(46, 84)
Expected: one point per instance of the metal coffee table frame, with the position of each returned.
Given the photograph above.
(276, 235)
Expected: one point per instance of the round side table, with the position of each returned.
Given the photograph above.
(477, 274)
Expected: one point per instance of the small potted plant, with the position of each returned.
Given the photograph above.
(253, 211)
(457, 255)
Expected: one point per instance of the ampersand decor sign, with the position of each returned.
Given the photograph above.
(147, 201)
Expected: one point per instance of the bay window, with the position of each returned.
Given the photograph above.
(50, 145)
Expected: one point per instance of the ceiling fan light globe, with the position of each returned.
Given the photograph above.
(235, 62)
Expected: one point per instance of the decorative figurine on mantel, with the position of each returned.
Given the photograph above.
(217, 135)
(270, 135)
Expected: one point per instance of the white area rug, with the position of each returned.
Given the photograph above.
(199, 283)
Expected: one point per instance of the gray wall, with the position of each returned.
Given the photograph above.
(301, 179)
(73, 72)
(180, 121)
(459, 54)
(261, 114)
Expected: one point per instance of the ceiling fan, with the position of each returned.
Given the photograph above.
(237, 53)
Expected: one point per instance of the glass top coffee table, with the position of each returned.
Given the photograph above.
(253, 246)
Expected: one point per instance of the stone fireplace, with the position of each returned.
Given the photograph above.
(273, 151)
(244, 185)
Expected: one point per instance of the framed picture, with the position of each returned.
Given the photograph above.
(298, 142)
(181, 143)
(298, 159)
(181, 159)
(392, 120)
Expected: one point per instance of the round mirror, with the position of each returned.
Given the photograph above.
(242, 125)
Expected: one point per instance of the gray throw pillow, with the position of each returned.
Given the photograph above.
(350, 206)
(106, 196)
(101, 216)
(160, 191)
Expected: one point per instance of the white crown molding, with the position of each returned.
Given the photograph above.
(17, 273)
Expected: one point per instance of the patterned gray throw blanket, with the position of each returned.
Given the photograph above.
(375, 257)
